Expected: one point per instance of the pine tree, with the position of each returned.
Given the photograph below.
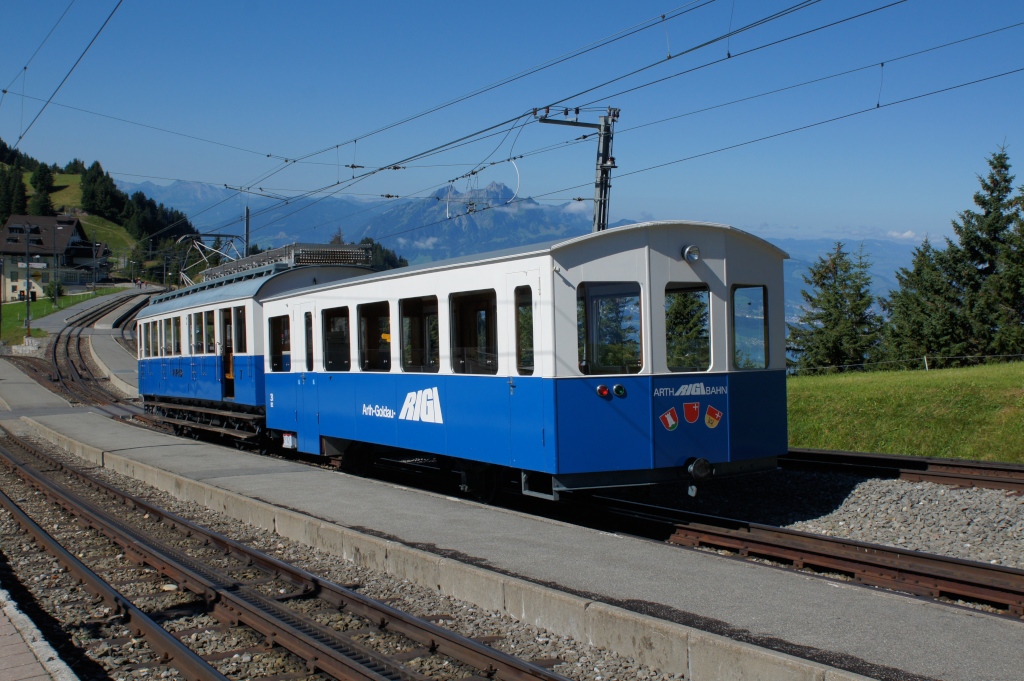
(40, 204)
(838, 326)
(42, 180)
(18, 193)
(982, 243)
(5, 195)
(924, 313)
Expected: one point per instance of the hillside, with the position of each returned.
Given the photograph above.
(970, 413)
(67, 195)
(67, 190)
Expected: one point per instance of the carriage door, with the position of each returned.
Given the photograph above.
(227, 353)
(308, 397)
(526, 396)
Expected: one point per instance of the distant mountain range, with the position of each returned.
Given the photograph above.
(420, 230)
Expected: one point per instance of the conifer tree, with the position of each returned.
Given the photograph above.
(981, 251)
(41, 204)
(42, 179)
(5, 196)
(18, 193)
(924, 313)
(838, 326)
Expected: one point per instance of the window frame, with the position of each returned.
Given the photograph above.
(285, 344)
(307, 330)
(688, 287)
(460, 362)
(328, 344)
(584, 363)
(733, 358)
(423, 335)
(383, 363)
(521, 368)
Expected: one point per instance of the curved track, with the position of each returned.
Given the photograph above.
(240, 585)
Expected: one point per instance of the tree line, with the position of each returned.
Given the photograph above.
(141, 216)
(958, 303)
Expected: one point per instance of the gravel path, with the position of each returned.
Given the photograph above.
(578, 660)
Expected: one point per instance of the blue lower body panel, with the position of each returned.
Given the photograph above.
(546, 425)
(202, 378)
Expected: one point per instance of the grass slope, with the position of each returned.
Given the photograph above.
(67, 190)
(112, 234)
(970, 413)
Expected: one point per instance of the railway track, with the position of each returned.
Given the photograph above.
(914, 572)
(278, 603)
(990, 474)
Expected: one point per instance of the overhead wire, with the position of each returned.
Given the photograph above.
(68, 74)
(489, 130)
(803, 4)
(738, 145)
(24, 68)
(602, 42)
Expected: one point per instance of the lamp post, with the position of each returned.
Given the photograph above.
(28, 285)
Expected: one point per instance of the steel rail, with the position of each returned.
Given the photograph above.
(988, 474)
(164, 643)
(241, 602)
(919, 573)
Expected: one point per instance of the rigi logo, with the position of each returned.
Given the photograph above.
(422, 405)
(691, 389)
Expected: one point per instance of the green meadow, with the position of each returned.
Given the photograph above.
(969, 413)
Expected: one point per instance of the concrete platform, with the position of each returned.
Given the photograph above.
(866, 630)
(119, 365)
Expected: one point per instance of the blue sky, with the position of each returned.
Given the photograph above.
(292, 78)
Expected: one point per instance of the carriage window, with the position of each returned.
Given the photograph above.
(154, 339)
(280, 343)
(750, 327)
(308, 318)
(337, 353)
(176, 335)
(240, 334)
(608, 328)
(145, 339)
(375, 337)
(475, 332)
(687, 313)
(420, 334)
(210, 337)
(524, 330)
(165, 349)
(198, 346)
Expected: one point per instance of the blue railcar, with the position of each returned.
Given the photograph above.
(641, 354)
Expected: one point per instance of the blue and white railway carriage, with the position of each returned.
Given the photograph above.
(201, 346)
(610, 359)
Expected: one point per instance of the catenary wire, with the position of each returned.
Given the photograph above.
(469, 138)
(738, 145)
(462, 141)
(68, 75)
(759, 22)
(29, 62)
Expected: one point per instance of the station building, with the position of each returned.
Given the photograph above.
(55, 247)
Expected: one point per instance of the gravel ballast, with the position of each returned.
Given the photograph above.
(577, 660)
(985, 525)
